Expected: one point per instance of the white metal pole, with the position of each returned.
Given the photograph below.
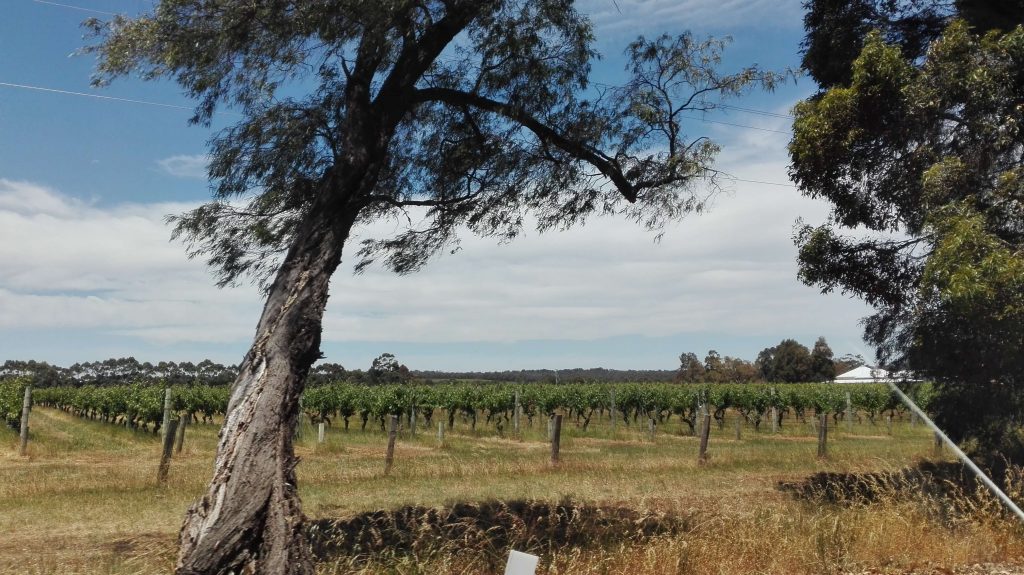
(960, 454)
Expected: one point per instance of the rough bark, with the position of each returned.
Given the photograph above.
(250, 519)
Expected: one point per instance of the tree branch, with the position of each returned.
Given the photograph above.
(607, 166)
(428, 203)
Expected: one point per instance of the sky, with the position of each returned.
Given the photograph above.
(88, 270)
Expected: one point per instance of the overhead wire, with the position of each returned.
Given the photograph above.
(758, 112)
(786, 132)
(88, 95)
(80, 8)
(179, 107)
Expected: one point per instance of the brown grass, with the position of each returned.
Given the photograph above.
(85, 500)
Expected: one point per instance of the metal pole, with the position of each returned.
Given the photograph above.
(960, 454)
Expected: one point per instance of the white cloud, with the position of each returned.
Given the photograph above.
(65, 264)
(185, 166)
(23, 198)
(633, 16)
(729, 271)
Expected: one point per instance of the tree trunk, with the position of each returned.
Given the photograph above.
(250, 519)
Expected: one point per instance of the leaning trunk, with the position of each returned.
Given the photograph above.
(250, 520)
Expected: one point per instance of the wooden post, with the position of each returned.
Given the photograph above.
(26, 408)
(515, 415)
(320, 433)
(705, 433)
(775, 419)
(739, 424)
(652, 427)
(389, 458)
(551, 427)
(440, 432)
(412, 420)
(165, 457)
(888, 423)
(849, 412)
(823, 436)
(168, 404)
(182, 422)
(613, 412)
(556, 438)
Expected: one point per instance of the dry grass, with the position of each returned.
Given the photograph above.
(85, 500)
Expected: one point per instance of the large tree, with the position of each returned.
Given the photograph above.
(921, 155)
(836, 29)
(789, 362)
(451, 115)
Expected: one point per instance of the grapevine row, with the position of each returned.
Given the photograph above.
(136, 406)
(12, 393)
(139, 406)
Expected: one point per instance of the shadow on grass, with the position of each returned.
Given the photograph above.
(487, 530)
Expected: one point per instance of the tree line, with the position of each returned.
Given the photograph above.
(788, 362)
(124, 370)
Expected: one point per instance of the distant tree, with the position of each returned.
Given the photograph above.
(714, 369)
(822, 366)
(385, 369)
(787, 362)
(42, 374)
(326, 373)
(848, 362)
(739, 370)
(691, 368)
(765, 363)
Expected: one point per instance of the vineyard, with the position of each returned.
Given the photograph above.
(83, 498)
(11, 395)
(141, 406)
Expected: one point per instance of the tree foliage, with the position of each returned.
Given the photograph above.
(483, 110)
(922, 154)
(837, 29)
(447, 116)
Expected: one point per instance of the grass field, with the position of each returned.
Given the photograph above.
(84, 500)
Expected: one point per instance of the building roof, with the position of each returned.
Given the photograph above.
(871, 374)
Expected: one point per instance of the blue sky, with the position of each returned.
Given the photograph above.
(87, 270)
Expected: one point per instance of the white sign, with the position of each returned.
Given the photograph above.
(521, 564)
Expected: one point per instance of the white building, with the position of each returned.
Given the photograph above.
(869, 374)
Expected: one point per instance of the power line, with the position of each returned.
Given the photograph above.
(759, 182)
(74, 7)
(723, 106)
(178, 107)
(759, 112)
(738, 125)
(97, 96)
